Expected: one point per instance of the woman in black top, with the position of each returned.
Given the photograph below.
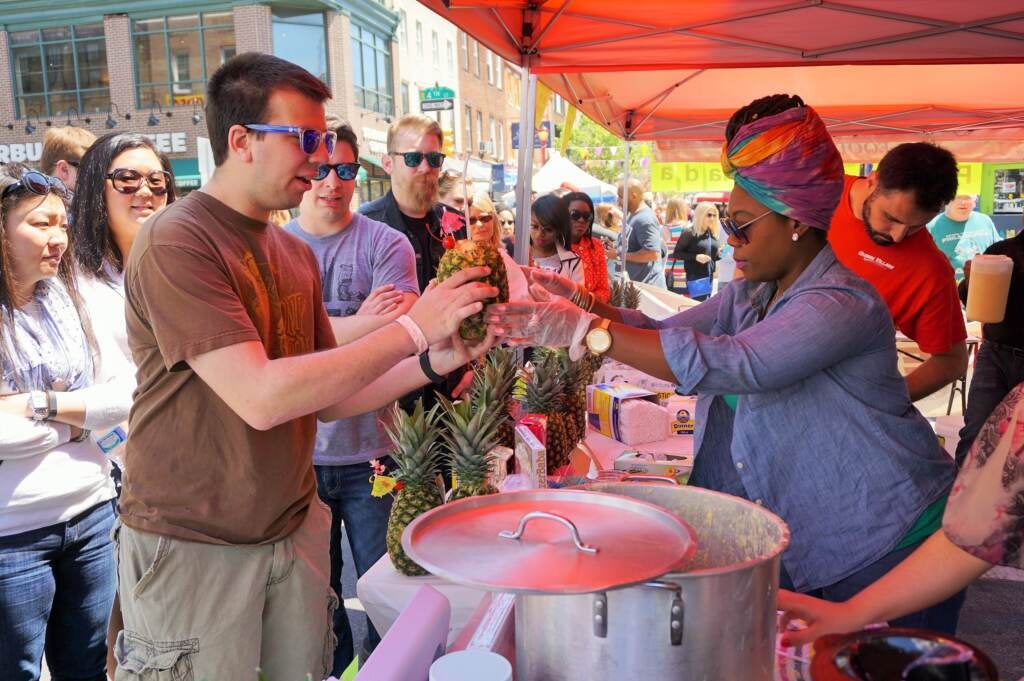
(697, 248)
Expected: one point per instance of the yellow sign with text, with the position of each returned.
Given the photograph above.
(688, 177)
(968, 178)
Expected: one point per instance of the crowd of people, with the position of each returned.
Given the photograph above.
(236, 372)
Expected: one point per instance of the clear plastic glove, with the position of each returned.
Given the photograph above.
(703, 258)
(383, 300)
(442, 307)
(557, 323)
(550, 282)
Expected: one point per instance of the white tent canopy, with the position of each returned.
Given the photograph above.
(559, 169)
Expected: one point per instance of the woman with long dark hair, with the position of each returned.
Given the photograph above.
(590, 250)
(123, 179)
(551, 238)
(62, 389)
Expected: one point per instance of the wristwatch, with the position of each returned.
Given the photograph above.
(39, 405)
(599, 339)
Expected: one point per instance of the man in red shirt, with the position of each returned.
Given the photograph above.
(878, 231)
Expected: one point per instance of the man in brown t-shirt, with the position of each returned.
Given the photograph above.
(223, 550)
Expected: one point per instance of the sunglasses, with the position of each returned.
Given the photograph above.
(482, 219)
(578, 215)
(508, 222)
(128, 181)
(37, 183)
(413, 159)
(344, 171)
(74, 164)
(309, 140)
(740, 231)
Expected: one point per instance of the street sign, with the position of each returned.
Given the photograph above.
(437, 92)
(445, 104)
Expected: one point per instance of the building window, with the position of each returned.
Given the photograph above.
(480, 131)
(405, 97)
(174, 56)
(476, 58)
(499, 72)
(493, 141)
(435, 49)
(500, 152)
(419, 40)
(451, 57)
(371, 70)
(403, 22)
(60, 69)
(301, 39)
(469, 129)
(464, 49)
(490, 66)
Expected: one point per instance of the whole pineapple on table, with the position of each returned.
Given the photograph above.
(544, 394)
(468, 253)
(624, 294)
(495, 379)
(417, 455)
(470, 433)
(574, 378)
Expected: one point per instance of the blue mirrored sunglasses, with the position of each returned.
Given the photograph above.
(309, 140)
(37, 183)
(344, 171)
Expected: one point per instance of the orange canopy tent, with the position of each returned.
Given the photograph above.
(879, 71)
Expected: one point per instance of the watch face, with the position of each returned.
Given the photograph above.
(599, 341)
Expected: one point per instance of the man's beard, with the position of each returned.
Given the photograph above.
(422, 191)
(877, 237)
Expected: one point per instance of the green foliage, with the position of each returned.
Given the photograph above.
(586, 134)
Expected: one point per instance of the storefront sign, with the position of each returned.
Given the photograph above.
(31, 152)
(688, 177)
(541, 137)
(376, 140)
(169, 142)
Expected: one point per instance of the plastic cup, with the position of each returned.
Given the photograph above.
(988, 288)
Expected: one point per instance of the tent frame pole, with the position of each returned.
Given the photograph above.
(524, 183)
(624, 231)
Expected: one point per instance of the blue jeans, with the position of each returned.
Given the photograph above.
(346, 491)
(998, 370)
(57, 586)
(941, 617)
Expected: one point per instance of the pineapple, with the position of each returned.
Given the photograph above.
(544, 395)
(468, 253)
(625, 294)
(471, 429)
(575, 377)
(416, 453)
(495, 380)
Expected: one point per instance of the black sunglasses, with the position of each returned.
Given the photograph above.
(128, 181)
(344, 171)
(508, 222)
(413, 159)
(482, 219)
(740, 231)
(37, 183)
(577, 215)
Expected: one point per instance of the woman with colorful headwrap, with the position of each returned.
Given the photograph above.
(800, 405)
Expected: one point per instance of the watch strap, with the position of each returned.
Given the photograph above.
(429, 370)
(51, 405)
(83, 436)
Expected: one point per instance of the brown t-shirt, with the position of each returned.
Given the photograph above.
(202, 276)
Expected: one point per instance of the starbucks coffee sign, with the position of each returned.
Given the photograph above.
(31, 152)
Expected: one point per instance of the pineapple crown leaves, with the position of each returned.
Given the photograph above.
(416, 448)
(496, 377)
(471, 428)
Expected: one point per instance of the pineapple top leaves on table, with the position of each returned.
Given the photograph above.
(468, 253)
(624, 294)
(470, 433)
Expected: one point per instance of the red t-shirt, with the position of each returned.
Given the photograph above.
(913, 277)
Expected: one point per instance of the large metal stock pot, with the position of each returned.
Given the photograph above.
(726, 599)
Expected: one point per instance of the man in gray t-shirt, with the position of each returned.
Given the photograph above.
(369, 279)
(644, 241)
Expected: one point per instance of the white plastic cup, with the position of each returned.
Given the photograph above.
(471, 665)
(988, 288)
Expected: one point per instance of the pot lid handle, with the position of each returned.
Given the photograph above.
(534, 515)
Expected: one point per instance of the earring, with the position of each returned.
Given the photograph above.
(796, 237)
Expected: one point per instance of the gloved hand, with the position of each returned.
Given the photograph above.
(550, 282)
(557, 323)
(703, 258)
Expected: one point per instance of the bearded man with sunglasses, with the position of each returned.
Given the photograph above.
(223, 550)
(369, 279)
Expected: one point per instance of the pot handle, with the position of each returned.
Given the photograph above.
(533, 515)
(643, 477)
(677, 610)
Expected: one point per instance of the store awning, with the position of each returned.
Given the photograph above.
(370, 160)
(186, 173)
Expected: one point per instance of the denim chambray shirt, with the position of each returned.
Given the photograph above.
(824, 433)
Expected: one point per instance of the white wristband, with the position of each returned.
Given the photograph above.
(415, 332)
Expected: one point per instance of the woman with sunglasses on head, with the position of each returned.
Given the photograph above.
(551, 238)
(61, 377)
(589, 249)
(801, 407)
(697, 248)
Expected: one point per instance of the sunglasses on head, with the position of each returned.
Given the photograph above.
(577, 215)
(740, 231)
(36, 183)
(413, 159)
(128, 181)
(344, 171)
(309, 140)
(482, 219)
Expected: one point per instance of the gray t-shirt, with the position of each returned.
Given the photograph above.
(353, 262)
(645, 235)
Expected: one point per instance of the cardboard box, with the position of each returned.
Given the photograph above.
(678, 466)
(682, 413)
(604, 406)
(531, 456)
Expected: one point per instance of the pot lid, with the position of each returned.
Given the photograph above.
(549, 541)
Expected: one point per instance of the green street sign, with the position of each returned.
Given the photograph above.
(437, 92)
